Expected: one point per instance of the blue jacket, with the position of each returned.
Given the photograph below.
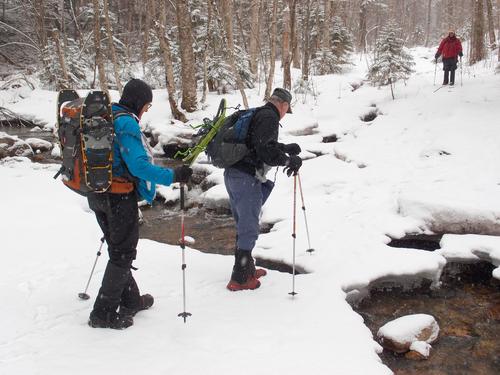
(130, 153)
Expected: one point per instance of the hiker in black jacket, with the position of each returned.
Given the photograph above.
(249, 188)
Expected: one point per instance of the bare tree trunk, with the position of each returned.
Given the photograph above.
(272, 57)
(325, 29)
(97, 42)
(75, 11)
(63, 23)
(145, 42)
(242, 33)
(40, 23)
(491, 26)
(254, 35)
(478, 51)
(498, 13)
(227, 10)
(111, 46)
(65, 83)
(287, 77)
(205, 51)
(187, 57)
(167, 58)
(294, 35)
(139, 32)
(428, 23)
(130, 13)
(362, 27)
(306, 52)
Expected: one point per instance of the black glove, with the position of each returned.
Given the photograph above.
(292, 149)
(293, 165)
(182, 174)
(460, 54)
(436, 56)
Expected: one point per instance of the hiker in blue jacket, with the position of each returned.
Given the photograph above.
(248, 187)
(119, 299)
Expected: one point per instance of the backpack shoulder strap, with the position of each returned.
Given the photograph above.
(120, 113)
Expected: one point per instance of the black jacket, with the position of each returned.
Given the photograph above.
(262, 140)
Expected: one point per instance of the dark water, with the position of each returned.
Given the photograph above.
(467, 308)
(214, 233)
(24, 132)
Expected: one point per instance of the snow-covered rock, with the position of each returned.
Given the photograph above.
(421, 347)
(447, 212)
(411, 332)
(472, 247)
(38, 144)
(216, 197)
(56, 151)
(13, 146)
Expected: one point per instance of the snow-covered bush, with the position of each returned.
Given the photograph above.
(76, 61)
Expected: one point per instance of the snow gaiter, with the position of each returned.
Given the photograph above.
(446, 77)
(113, 284)
(452, 77)
(242, 268)
(131, 296)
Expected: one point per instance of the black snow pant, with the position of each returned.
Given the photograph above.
(117, 215)
(449, 67)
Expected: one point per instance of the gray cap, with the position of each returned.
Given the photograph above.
(284, 95)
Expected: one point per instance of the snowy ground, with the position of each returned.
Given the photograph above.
(427, 163)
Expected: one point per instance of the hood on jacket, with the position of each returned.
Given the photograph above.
(136, 94)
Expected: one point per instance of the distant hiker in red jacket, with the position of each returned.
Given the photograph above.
(450, 47)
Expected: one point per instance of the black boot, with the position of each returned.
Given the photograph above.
(104, 314)
(110, 320)
(132, 302)
(243, 275)
(452, 77)
(446, 77)
(256, 272)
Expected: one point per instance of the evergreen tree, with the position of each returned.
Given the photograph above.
(333, 59)
(219, 72)
(391, 62)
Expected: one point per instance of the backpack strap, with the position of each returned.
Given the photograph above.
(122, 112)
(122, 185)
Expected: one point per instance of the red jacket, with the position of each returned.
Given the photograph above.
(450, 47)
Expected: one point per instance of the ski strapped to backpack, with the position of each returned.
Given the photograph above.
(223, 139)
(86, 133)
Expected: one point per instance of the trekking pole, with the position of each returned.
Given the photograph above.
(84, 294)
(182, 242)
(294, 234)
(461, 73)
(435, 71)
(310, 250)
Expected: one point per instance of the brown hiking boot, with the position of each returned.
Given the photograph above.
(250, 284)
(259, 272)
(256, 272)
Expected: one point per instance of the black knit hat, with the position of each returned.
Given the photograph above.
(136, 94)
